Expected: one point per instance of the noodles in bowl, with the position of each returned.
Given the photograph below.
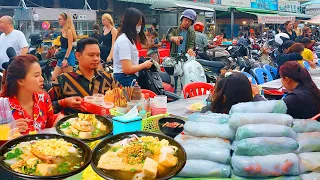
(45, 156)
(138, 156)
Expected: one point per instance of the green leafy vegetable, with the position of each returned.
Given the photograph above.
(97, 131)
(65, 125)
(63, 168)
(14, 154)
(26, 170)
(116, 148)
(133, 170)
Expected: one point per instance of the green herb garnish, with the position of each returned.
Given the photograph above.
(65, 125)
(133, 170)
(97, 131)
(63, 168)
(116, 148)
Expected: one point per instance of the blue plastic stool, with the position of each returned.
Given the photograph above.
(260, 72)
(306, 65)
(273, 71)
(250, 76)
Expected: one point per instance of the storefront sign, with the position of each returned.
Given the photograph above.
(275, 19)
(265, 4)
(313, 9)
(205, 1)
(236, 3)
(289, 6)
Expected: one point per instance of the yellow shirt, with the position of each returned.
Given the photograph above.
(307, 54)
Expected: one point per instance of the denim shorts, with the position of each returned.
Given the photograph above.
(124, 79)
(71, 59)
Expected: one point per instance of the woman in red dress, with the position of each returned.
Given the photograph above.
(30, 104)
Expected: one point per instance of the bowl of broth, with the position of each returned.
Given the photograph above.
(44, 156)
(140, 155)
(86, 127)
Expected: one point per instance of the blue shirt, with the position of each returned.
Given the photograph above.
(182, 47)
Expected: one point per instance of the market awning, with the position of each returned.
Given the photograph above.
(140, 1)
(267, 16)
(311, 2)
(170, 5)
(297, 15)
(314, 20)
(253, 10)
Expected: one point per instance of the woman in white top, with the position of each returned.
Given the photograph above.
(125, 55)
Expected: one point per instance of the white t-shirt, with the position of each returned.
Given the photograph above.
(15, 39)
(124, 49)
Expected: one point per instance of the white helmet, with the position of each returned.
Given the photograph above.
(281, 38)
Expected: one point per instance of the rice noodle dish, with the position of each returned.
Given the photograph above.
(46, 157)
(139, 158)
(84, 126)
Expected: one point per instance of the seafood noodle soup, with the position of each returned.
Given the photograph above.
(46, 157)
(139, 158)
(84, 126)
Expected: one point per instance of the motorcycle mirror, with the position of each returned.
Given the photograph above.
(11, 52)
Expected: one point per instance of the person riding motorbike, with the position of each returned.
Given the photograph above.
(183, 37)
(201, 41)
(53, 49)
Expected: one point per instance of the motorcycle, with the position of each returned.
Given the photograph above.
(187, 68)
(211, 68)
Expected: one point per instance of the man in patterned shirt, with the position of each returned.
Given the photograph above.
(69, 88)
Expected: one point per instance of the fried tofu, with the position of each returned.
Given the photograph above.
(168, 159)
(46, 169)
(85, 135)
(150, 168)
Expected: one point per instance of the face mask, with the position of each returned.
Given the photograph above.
(138, 28)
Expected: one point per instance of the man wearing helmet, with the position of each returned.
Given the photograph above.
(182, 37)
(201, 40)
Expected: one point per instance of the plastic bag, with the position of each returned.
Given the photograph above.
(261, 146)
(265, 166)
(234, 177)
(204, 168)
(209, 130)
(209, 117)
(309, 142)
(308, 125)
(203, 141)
(309, 162)
(220, 155)
(240, 119)
(310, 176)
(273, 106)
(264, 130)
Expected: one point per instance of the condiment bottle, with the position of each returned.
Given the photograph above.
(143, 113)
(136, 92)
(147, 104)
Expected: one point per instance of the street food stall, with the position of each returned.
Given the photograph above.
(45, 21)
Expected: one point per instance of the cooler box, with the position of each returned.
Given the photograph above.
(122, 124)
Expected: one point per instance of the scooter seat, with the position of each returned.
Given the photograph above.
(215, 64)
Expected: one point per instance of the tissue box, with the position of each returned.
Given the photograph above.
(121, 124)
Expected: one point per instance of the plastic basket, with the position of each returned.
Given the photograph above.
(149, 124)
(95, 109)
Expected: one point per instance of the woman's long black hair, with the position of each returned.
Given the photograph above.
(130, 20)
(296, 72)
(231, 90)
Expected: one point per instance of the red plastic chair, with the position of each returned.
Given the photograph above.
(196, 89)
(316, 117)
(151, 93)
(143, 52)
(164, 53)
